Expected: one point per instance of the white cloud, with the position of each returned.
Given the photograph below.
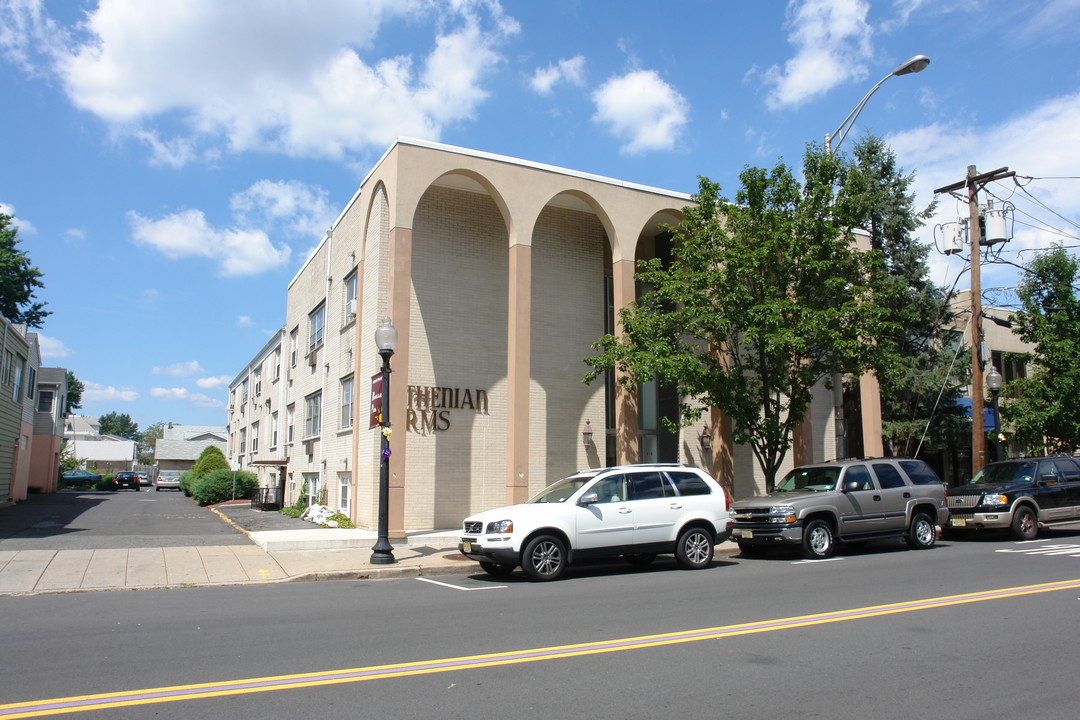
(245, 321)
(181, 369)
(97, 393)
(1043, 142)
(302, 210)
(187, 234)
(52, 348)
(23, 227)
(201, 77)
(572, 71)
(181, 394)
(212, 383)
(832, 41)
(642, 110)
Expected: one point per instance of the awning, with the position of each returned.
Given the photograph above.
(270, 463)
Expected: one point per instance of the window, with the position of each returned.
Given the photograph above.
(243, 440)
(289, 420)
(689, 484)
(244, 392)
(860, 475)
(347, 402)
(344, 482)
(920, 473)
(273, 430)
(350, 298)
(31, 383)
(45, 401)
(313, 415)
(648, 486)
(294, 343)
(17, 381)
(277, 364)
(258, 382)
(316, 323)
(9, 363)
(888, 476)
(610, 489)
(254, 437)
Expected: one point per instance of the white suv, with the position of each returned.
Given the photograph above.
(636, 511)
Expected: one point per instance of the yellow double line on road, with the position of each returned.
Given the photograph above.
(81, 703)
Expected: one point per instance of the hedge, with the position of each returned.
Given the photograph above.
(217, 486)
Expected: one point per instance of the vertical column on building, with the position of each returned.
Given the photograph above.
(398, 304)
(519, 351)
(802, 441)
(626, 402)
(870, 400)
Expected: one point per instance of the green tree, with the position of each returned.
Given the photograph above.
(147, 440)
(763, 298)
(919, 394)
(74, 393)
(19, 280)
(1042, 411)
(118, 424)
(211, 458)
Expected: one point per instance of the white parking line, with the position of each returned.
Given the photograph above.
(458, 587)
(810, 562)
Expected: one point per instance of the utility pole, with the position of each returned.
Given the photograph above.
(973, 183)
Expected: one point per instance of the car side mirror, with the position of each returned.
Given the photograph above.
(1048, 479)
(851, 486)
(589, 499)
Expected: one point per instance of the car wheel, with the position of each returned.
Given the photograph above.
(817, 542)
(1025, 526)
(751, 550)
(922, 533)
(640, 560)
(544, 558)
(694, 548)
(496, 569)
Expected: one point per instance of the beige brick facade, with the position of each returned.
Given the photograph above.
(493, 270)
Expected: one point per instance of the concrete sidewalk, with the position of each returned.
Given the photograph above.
(301, 552)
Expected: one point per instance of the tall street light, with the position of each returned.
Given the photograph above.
(915, 64)
(382, 553)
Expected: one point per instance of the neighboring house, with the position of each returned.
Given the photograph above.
(498, 275)
(16, 413)
(81, 427)
(181, 445)
(109, 455)
(49, 403)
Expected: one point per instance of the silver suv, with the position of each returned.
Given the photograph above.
(816, 506)
(634, 511)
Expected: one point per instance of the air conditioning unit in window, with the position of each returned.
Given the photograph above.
(350, 309)
(313, 358)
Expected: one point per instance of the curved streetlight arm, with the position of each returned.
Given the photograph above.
(913, 65)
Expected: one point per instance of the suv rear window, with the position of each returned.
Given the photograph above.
(689, 483)
(920, 473)
(888, 476)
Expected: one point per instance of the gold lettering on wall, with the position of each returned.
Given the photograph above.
(430, 407)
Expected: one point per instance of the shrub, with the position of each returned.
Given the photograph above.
(342, 521)
(292, 511)
(211, 458)
(186, 479)
(105, 483)
(217, 486)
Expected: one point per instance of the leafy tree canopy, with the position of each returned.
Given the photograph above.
(74, 393)
(118, 424)
(1043, 410)
(762, 298)
(19, 280)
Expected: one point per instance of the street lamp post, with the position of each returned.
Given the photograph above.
(993, 384)
(382, 553)
(915, 64)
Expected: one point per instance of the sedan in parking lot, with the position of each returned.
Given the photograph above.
(80, 477)
(126, 479)
(167, 479)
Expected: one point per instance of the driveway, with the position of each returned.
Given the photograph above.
(70, 520)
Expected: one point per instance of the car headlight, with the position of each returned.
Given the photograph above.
(994, 500)
(783, 515)
(500, 527)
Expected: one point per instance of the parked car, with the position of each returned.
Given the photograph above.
(80, 477)
(167, 479)
(1019, 495)
(634, 511)
(144, 479)
(125, 478)
(817, 506)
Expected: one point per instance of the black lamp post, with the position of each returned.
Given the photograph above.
(382, 553)
(993, 384)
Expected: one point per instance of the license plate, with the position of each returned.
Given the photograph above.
(466, 547)
(747, 533)
(957, 522)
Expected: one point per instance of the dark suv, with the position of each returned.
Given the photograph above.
(817, 506)
(1020, 495)
(126, 479)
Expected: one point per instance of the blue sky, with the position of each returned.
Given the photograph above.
(171, 165)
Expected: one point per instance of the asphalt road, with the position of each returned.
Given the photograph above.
(965, 630)
(100, 520)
